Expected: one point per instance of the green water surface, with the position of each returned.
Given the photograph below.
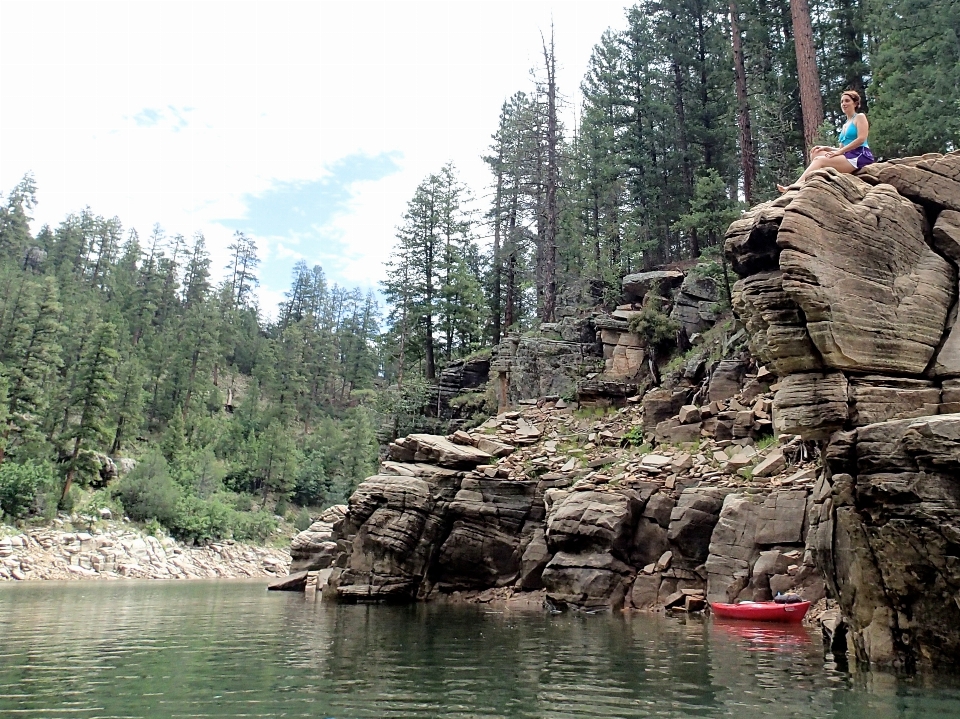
(230, 649)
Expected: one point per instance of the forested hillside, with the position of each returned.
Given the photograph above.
(121, 345)
(118, 345)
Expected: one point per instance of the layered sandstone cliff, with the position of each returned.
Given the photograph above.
(849, 288)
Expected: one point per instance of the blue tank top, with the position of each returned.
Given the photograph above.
(849, 133)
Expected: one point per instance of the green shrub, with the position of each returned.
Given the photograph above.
(22, 485)
(201, 520)
(204, 520)
(303, 520)
(240, 501)
(654, 325)
(253, 526)
(634, 437)
(149, 491)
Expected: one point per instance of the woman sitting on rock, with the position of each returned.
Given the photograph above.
(854, 151)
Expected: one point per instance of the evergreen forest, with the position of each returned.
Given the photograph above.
(120, 345)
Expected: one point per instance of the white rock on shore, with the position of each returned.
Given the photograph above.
(123, 552)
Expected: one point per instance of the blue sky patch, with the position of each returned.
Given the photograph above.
(296, 220)
(147, 117)
(174, 117)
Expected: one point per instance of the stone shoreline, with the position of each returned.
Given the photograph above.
(119, 551)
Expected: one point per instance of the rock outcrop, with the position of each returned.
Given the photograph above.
(886, 530)
(315, 548)
(594, 524)
(849, 288)
(597, 359)
(464, 378)
(848, 296)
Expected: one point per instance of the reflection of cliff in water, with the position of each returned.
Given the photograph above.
(228, 649)
(565, 665)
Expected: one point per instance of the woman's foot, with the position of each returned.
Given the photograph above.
(781, 189)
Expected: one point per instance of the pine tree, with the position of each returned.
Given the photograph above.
(242, 265)
(916, 77)
(276, 462)
(33, 356)
(128, 409)
(91, 399)
(15, 219)
(412, 274)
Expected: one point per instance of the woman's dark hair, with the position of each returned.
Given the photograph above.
(853, 95)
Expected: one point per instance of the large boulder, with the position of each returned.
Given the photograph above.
(751, 241)
(692, 521)
(484, 546)
(849, 294)
(394, 523)
(591, 580)
(856, 261)
(650, 537)
(886, 533)
(315, 547)
(776, 325)
(660, 405)
(733, 548)
(636, 286)
(594, 520)
(931, 178)
(694, 302)
(946, 239)
(439, 450)
(727, 379)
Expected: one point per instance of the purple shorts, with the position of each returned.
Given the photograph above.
(859, 157)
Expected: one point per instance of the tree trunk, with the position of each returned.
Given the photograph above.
(552, 181)
(496, 309)
(811, 102)
(510, 313)
(117, 436)
(431, 368)
(686, 169)
(748, 164)
(71, 471)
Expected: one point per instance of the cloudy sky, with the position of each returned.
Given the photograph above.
(307, 125)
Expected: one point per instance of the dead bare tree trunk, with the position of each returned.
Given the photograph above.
(549, 239)
(748, 162)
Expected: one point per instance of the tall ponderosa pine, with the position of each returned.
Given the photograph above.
(90, 401)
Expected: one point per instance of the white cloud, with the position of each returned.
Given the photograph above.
(174, 112)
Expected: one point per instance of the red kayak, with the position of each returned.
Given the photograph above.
(762, 611)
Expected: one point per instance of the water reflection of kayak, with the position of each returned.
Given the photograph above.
(766, 636)
(762, 611)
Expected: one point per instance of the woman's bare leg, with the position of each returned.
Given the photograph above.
(820, 160)
(838, 162)
(817, 154)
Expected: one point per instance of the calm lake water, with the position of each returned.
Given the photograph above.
(230, 649)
